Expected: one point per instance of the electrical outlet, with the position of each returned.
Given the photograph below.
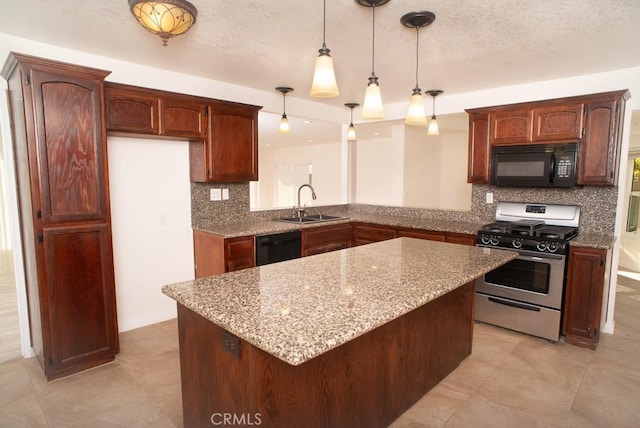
(225, 194)
(489, 197)
(216, 194)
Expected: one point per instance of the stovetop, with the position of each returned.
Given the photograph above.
(527, 234)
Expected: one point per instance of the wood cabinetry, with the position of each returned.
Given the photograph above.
(586, 280)
(223, 136)
(557, 123)
(61, 163)
(365, 233)
(135, 110)
(599, 152)
(421, 234)
(460, 238)
(323, 239)
(214, 254)
(479, 148)
(511, 126)
(594, 121)
(231, 151)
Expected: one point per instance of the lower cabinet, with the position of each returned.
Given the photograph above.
(421, 234)
(214, 254)
(586, 279)
(368, 233)
(323, 239)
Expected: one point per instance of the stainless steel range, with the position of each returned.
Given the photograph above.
(526, 294)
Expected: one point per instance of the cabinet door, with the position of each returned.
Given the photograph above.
(558, 123)
(421, 234)
(479, 149)
(130, 111)
(233, 144)
(369, 233)
(70, 149)
(600, 145)
(461, 238)
(326, 238)
(80, 296)
(583, 296)
(511, 126)
(239, 253)
(183, 118)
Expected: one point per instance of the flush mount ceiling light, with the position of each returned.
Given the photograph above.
(284, 122)
(433, 123)
(372, 108)
(416, 114)
(166, 19)
(324, 79)
(351, 133)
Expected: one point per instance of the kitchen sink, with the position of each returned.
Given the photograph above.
(311, 218)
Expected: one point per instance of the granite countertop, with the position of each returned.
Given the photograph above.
(258, 228)
(591, 240)
(299, 309)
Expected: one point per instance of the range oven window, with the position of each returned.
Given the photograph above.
(522, 274)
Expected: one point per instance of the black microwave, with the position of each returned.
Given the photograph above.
(535, 165)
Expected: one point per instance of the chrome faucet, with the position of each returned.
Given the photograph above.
(300, 211)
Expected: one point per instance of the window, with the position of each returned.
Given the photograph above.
(634, 196)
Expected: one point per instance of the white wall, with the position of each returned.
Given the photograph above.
(379, 169)
(422, 168)
(151, 222)
(326, 180)
(455, 192)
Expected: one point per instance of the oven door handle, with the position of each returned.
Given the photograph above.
(515, 304)
(541, 258)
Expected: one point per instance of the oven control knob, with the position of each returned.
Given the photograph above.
(485, 239)
(494, 240)
(552, 247)
(517, 243)
(542, 246)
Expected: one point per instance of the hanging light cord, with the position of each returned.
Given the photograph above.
(417, 53)
(433, 108)
(373, 53)
(351, 117)
(324, 24)
(284, 104)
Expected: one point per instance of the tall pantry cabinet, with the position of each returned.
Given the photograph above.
(61, 162)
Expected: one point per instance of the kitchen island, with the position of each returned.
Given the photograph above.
(349, 338)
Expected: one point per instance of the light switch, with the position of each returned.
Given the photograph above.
(216, 194)
(225, 194)
(489, 197)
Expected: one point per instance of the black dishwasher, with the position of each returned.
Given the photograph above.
(278, 247)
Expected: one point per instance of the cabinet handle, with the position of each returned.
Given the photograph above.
(39, 213)
(40, 238)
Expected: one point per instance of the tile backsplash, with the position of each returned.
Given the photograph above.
(598, 206)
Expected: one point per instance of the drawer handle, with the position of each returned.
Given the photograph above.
(515, 304)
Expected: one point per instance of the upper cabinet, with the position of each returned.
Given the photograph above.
(511, 126)
(223, 136)
(134, 110)
(594, 121)
(230, 153)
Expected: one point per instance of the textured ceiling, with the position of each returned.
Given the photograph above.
(263, 44)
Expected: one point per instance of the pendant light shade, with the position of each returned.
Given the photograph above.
(433, 123)
(351, 132)
(324, 78)
(284, 121)
(166, 19)
(372, 107)
(416, 115)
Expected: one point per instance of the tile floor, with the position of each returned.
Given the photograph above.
(510, 380)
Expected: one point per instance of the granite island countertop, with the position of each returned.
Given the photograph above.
(299, 309)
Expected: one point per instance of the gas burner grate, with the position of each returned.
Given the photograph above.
(525, 227)
(564, 233)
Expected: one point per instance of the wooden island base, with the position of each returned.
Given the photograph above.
(367, 382)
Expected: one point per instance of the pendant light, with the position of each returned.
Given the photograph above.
(416, 114)
(433, 123)
(284, 122)
(351, 133)
(372, 108)
(166, 19)
(324, 79)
